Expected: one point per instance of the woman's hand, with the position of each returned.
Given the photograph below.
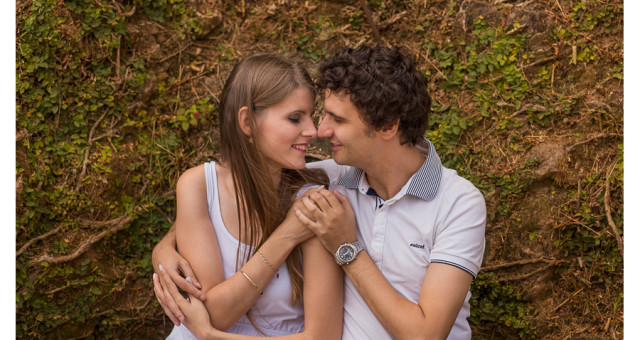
(196, 317)
(330, 216)
(291, 226)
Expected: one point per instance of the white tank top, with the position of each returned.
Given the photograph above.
(272, 312)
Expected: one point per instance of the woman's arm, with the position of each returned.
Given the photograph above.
(323, 292)
(226, 300)
(179, 271)
(322, 297)
(323, 300)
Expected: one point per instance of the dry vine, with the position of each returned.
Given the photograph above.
(522, 262)
(118, 224)
(372, 23)
(607, 208)
(86, 154)
(38, 238)
(528, 275)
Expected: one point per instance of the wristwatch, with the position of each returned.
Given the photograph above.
(347, 252)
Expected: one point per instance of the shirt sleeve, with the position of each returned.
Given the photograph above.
(459, 239)
(333, 170)
(305, 188)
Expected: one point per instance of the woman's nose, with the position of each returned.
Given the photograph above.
(309, 129)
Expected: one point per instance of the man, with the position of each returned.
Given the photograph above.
(421, 226)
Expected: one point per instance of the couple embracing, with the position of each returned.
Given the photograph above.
(379, 242)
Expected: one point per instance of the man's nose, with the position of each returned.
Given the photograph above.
(324, 130)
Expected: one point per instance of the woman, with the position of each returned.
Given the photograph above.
(232, 224)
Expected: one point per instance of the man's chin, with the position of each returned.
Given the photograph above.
(340, 160)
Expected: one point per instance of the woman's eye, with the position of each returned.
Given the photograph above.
(294, 119)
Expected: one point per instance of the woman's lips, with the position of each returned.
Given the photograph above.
(300, 147)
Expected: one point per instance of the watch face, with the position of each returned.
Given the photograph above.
(346, 253)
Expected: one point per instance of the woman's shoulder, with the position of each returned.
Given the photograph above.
(191, 193)
(193, 180)
(192, 174)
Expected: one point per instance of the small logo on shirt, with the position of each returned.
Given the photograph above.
(415, 245)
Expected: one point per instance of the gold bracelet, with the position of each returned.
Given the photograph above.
(253, 283)
(267, 261)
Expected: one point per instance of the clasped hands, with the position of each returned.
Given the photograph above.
(329, 215)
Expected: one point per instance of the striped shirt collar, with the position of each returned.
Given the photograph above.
(423, 184)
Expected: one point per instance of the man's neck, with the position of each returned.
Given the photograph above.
(392, 169)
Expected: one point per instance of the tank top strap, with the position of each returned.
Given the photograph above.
(212, 182)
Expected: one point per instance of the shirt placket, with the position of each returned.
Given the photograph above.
(379, 229)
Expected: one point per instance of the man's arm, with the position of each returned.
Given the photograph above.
(178, 269)
(443, 291)
(166, 253)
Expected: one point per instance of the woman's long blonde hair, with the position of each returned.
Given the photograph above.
(259, 82)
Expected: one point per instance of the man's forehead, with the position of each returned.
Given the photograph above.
(341, 95)
(340, 105)
(338, 100)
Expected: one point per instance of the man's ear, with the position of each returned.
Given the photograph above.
(244, 120)
(387, 132)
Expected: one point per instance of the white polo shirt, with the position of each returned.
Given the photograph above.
(437, 216)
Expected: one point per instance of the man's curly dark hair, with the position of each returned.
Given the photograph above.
(384, 85)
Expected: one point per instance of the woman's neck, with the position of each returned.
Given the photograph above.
(275, 173)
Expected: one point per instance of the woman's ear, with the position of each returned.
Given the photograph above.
(244, 120)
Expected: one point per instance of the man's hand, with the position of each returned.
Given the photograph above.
(329, 216)
(174, 264)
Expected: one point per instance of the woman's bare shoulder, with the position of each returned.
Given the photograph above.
(192, 178)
